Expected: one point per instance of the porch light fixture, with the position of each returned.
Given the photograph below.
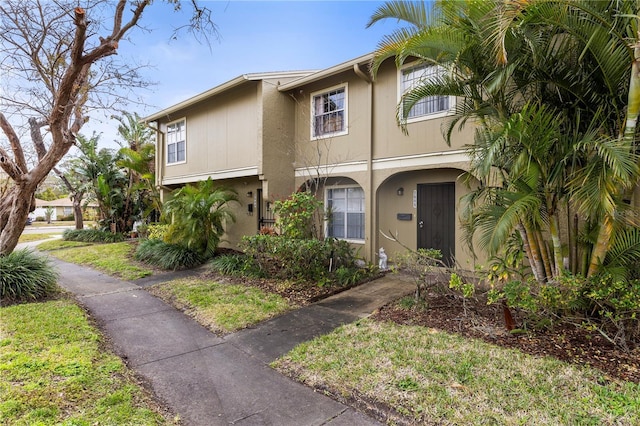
(250, 194)
(400, 192)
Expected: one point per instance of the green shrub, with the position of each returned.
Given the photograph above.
(91, 236)
(235, 264)
(197, 215)
(301, 259)
(167, 256)
(611, 306)
(26, 276)
(297, 215)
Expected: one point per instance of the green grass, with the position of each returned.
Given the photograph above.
(25, 238)
(222, 308)
(113, 259)
(55, 370)
(58, 244)
(437, 378)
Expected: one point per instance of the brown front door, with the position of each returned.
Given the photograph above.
(436, 218)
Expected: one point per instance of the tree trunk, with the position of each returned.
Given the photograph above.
(77, 210)
(554, 228)
(14, 210)
(601, 247)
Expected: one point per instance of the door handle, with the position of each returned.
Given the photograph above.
(421, 224)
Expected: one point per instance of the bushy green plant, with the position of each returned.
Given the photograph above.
(235, 264)
(26, 276)
(167, 256)
(609, 305)
(91, 236)
(301, 259)
(197, 215)
(296, 215)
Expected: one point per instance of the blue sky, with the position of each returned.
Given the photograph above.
(255, 36)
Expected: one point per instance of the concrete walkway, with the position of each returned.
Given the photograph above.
(212, 380)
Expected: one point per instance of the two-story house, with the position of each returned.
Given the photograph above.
(334, 130)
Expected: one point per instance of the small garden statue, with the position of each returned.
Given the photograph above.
(382, 263)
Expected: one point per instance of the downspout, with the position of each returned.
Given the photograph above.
(371, 199)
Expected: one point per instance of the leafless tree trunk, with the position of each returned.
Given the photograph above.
(51, 50)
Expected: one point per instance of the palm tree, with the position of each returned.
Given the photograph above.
(138, 159)
(543, 81)
(197, 216)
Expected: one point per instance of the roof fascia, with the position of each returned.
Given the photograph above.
(328, 72)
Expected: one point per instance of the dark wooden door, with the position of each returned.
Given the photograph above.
(436, 218)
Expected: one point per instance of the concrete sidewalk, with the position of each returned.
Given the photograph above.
(211, 380)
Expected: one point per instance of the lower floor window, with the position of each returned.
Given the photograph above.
(346, 213)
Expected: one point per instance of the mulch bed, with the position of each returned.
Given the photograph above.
(487, 322)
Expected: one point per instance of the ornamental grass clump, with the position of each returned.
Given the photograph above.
(26, 276)
(167, 256)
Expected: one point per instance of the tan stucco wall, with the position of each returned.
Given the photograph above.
(353, 146)
(222, 135)
(424, 136)
(277, 152)
(390, 204)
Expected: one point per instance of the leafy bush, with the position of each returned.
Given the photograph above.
(235, 264)
(611, 306)
(167, 256)
(91, 236)
(297, 215)
(197, 215)
(301, 259)
(26, 276)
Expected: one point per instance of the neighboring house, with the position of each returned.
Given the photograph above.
(62, 208)
(267, 135)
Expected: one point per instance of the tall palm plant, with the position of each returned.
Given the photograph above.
(542, 79)
(197, 216)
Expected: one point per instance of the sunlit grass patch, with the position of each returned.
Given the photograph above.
(434, 377)
(58, 244)
(113, 259)
(54, 370)
(27, 238)
(221, 307)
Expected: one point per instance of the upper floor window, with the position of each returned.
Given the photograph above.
(346, 213)
(177, 142)
(329, 110)
(411, 78)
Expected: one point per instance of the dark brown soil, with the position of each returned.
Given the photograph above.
(487, 322)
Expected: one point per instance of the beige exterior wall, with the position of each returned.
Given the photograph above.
(329, 151)
(277, 152)
(222, 137)
(377, 156)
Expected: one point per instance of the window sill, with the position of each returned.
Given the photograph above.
(329, 135)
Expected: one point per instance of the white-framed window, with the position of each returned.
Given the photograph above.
(431, 106)
(67, 210)
(329, 112)
(346, 213)
(177, 142)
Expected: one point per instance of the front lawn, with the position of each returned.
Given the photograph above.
(426, 376)
(114, 259)
(54, 369)
(26, 238)
(221, 307)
